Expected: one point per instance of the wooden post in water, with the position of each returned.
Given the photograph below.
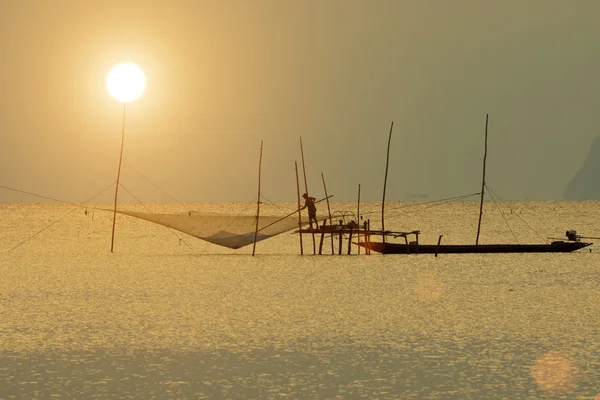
(369, 236)
(321, 243)
(112, 240)
(482, 181)
(350, 241)
(328, 209)
(358, 222)
(387, 162)
(258, 200)
(299, 213)
(340, 237)
(306, 188)
(438, 245)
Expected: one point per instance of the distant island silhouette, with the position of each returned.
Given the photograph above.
(584, 185)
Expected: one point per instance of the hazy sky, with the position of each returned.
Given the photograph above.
(224, 75)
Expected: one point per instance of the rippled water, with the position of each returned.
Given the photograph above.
(168, 316)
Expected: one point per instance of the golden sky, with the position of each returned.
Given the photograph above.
(224, 75)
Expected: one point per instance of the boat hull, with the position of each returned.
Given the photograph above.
(402, 248)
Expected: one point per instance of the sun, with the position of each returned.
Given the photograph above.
(126, 82)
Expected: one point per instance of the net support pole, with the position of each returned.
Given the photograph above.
(387, 162)
(482, 181)
(258, 200)
(328, 209)
(306, 188)
(299, 213)
(112, 240)
(358, 222)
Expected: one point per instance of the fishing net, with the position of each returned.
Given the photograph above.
(229, 231)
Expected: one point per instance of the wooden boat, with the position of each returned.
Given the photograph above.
(414, 248)
(572, 243)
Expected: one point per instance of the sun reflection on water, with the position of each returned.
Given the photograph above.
(555, 373)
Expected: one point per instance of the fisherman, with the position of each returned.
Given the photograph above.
(309, 202)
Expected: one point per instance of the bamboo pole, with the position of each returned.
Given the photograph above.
(366, 227)
(358, 218)
(306, 188)
(321, 243)
(350, 241)
(328, 209)
(290, 214)
(438, 245)
(258, 200)
(369, 236)
(112, 240)
(340, 238)
(299, 213)
(387, 162)
(482, 181)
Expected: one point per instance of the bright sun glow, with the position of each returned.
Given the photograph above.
(126, 82)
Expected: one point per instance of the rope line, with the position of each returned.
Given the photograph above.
(430, 204)
(503, 217)
(43, 197)
(433, 203)
(77, 206)
(518, 216)
(272, 203)
(149, 181)
(147, 209)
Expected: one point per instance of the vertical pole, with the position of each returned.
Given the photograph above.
(482, 181)
(358, 218)
(328, 209)
(350, 241)
(321, 243)
(306, 191)
(366, 238)
(387, 162)
(340, 237)
(438, 245)
(112, 240)
(258, 200)
(369, 236)
(299, 213)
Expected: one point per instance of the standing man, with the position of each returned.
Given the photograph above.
(309, 202)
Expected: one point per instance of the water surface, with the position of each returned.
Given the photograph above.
(169, 316)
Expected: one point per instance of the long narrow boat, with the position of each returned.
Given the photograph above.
(413, 248)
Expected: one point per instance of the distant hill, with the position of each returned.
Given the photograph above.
(585, 185)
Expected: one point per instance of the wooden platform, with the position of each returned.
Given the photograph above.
(351, 231)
